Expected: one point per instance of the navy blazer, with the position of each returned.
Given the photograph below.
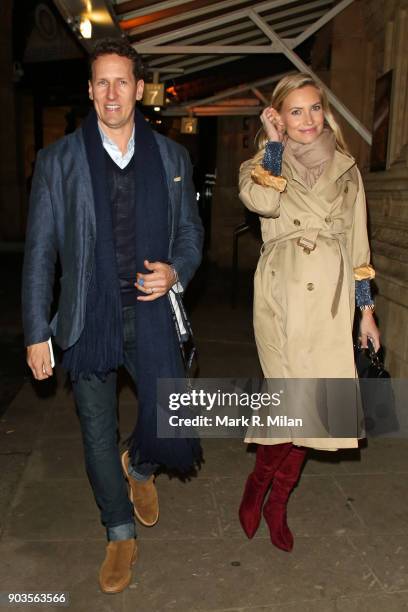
(61, 221)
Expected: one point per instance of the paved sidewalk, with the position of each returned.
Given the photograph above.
(349, 516)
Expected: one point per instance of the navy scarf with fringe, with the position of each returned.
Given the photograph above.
(99, 349)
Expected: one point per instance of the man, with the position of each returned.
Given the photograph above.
(115, 201)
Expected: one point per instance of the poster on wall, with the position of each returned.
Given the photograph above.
(381, 122)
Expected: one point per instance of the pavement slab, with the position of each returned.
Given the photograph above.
(380, 500)
(387, 555)
(223, 574)
(54, 509)
(12, 467)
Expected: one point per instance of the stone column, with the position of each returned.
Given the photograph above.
(10, 199)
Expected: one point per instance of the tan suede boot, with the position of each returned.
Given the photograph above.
(116, 570)
(143, 495)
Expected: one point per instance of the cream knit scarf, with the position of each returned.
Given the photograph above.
(310, 160)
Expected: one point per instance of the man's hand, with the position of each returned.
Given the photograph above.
(157, 283)
(39, 360)
(369, 329)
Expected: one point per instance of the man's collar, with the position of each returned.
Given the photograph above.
(107, 141)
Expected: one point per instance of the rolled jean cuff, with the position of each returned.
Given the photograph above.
(143, 471)
(126, 531)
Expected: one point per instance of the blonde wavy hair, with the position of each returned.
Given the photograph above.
(296, 81)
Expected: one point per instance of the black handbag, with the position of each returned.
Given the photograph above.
(377, 395)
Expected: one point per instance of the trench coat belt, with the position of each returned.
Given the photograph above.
(307, 239)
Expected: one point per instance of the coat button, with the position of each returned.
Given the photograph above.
(296, 221)
(328, 219)
(310, 286)
(346, 189)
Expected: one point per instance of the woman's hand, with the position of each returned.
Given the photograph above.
(272, 124)
(369, 330)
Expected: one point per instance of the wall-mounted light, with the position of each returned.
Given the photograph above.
(85, 27)
(82, 26)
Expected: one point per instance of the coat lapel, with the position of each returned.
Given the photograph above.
(85, 181)
(340, 164)
(289, 172)
(171, 171)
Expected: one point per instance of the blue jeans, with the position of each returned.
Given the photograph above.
(96, 403)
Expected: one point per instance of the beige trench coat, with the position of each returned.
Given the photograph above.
(304, 294)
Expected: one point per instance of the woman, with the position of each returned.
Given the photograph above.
(314, 263)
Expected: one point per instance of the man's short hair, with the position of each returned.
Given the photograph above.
(117, 46)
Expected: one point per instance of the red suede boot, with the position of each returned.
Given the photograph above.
(274, 510)
(268, 459)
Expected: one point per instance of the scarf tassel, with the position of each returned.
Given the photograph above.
(183, 455)
(102, 337)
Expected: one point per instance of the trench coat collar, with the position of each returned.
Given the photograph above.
(339, 165)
